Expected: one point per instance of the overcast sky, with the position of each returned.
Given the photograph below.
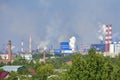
(52, 21)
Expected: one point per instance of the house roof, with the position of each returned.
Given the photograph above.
(10, 68)
(3, 75)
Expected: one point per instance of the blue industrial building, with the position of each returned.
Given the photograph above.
(57, 51)
(99, 47)
(64, 48)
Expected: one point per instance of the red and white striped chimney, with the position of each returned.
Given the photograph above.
(108, 37)
(110, 34)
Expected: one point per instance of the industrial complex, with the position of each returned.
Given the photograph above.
(106, 46)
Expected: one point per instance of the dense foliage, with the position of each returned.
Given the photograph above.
(92, 66)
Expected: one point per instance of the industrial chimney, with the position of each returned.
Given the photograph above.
(81, 48)
(108, 37)
(30, 44)
(22, 46)
(9, 50)
(44, 56)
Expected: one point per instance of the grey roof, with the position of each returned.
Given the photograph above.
(10, 68)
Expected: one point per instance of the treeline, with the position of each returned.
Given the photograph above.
(92, 66)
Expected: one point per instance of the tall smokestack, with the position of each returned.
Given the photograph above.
(30, 44)
(44, 56)
(81, 48)
(22, 46)
(110, 34)
(108, 37)
(9, 50)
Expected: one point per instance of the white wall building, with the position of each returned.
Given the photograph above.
(4, 56)
(26, 56)
(115, 48)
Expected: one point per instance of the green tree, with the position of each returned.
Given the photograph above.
(23, 70)
(13, 76)
(44, 71)
(77, 69)
(93, 66)
(2, 64)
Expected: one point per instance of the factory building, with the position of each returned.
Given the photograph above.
(65, 48)
(26, 56)
(98, 47)
(57, 51)
(8, 56)
(115, 48)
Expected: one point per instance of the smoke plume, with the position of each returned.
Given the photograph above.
(72, 43)
(101, 32)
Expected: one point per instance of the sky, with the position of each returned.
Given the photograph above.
(52, 21)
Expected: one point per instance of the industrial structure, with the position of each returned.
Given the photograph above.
(65, 47)
(109, 47)
(115, 48)
(81, 48)
(108, 37)
(8, 56)
(30, 44)
(99, 47)
(22, 46)
(106, 45)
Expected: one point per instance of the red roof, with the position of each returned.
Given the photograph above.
(3, 75)
(69, 62)
(32, 71)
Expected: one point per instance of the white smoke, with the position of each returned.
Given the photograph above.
(101, 37)
(72, 43)
(12, 47)
(43, 45)
(101, 32)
